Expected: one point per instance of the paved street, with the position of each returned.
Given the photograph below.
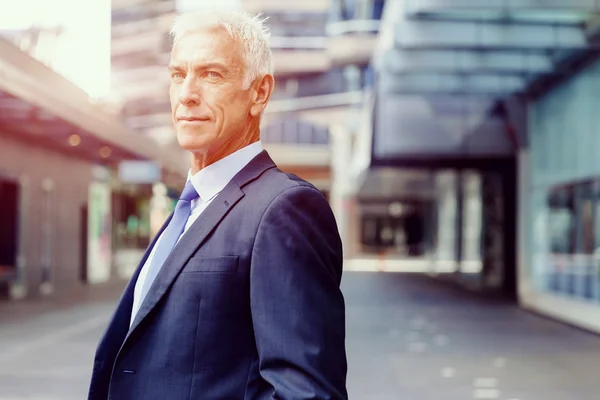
(409, 337)
(413, 338)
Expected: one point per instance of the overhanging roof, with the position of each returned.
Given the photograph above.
(474, 48)
(519, 38)
(498, 35)
(33, 83)
(452, 83)
(406, 61)
(553, 10)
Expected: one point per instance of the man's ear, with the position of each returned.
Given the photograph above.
(261, 93)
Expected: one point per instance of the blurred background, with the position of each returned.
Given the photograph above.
(457, 142)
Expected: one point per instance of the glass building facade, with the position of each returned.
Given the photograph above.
(561, 214)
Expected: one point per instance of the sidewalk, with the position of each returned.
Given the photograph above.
(409, 337)
(47, 344)
(12, 312)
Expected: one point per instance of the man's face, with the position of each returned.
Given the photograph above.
(210, 108)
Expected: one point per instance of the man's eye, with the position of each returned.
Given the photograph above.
(213, 75)
(177, 76)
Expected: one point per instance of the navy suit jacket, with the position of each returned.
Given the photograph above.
(247, 306)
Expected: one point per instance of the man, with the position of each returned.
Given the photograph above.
(238, 296)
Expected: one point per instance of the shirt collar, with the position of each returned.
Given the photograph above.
(209, 181)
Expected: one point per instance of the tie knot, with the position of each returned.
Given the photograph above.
(189, 192)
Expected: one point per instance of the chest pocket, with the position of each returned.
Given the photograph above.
(216, 284)
(212, 265)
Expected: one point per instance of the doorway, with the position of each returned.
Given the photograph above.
(9, 226)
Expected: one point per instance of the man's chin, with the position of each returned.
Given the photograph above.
(192, 147)
(194, 144)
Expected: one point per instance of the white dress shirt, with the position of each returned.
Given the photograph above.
(208, 182)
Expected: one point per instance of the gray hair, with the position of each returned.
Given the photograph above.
(251, 31)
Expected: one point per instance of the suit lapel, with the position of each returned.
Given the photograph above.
(119, 324)
(127, 299)
(198, 232)
(259, 165)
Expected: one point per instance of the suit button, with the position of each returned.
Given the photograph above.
(128, 371)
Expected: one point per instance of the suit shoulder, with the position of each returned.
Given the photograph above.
(285, 181)
(273, 186)
(276, 184)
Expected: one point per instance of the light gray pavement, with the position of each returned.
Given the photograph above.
(47, 347)
(409, 338)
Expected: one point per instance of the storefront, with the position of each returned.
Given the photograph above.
(560, 203)
(449, 222)
(138, 212)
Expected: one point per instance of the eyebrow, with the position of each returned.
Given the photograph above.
(175, 67)
(205, 66)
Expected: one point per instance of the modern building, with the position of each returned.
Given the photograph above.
(484, 148)
(60, 157)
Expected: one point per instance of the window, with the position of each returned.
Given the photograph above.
(561, 220)
(583, 271)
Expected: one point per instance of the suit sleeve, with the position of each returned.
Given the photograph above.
(297, 306)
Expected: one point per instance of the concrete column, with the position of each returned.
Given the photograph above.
(340, 194)
(344, 182)
(525, 284)
(48, 229)
(447, 222)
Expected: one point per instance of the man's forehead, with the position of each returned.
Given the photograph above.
(204, 46)
(205, 38)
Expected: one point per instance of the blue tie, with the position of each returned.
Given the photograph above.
(170, 236)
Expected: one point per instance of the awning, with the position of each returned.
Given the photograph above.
(470, 52)
(36, 100)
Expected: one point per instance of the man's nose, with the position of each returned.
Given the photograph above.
(190, 93)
